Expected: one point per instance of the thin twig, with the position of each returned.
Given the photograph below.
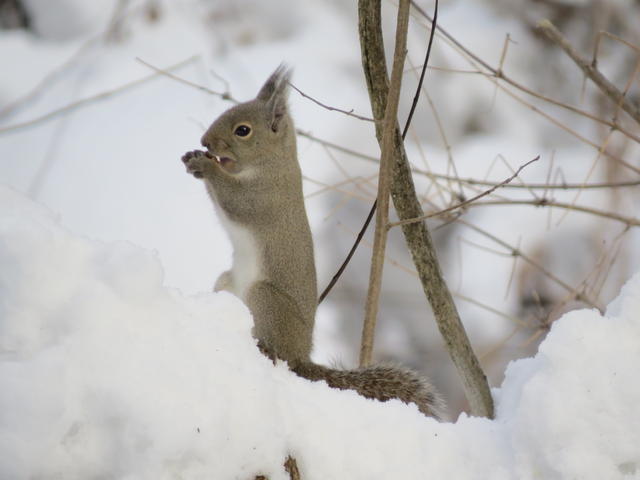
(382, 215)
(337, 275)
(517, 252)
(330, 108)
(499, 75)
(414, 103)
(89, 100)
(605, 86)
(472, 181)
(543, 202)
(466, 202)
(167, 73)
(48, 79)
(416, 96)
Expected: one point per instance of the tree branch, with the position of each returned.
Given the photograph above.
(329, 107)
(495, 74)
(382, 215)
(372, 210)
(101, 96)
(417, 236)
(605, 86)
(544, 202)
(466, 202)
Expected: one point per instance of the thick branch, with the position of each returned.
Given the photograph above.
(417, 236)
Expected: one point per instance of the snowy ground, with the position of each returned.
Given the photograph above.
(107, 373)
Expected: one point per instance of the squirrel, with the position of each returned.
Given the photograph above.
(251, 172)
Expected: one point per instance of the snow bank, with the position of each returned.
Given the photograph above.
(106, 373)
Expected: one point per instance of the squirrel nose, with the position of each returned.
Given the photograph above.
(205, 144)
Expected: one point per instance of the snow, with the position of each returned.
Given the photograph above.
(107, 373)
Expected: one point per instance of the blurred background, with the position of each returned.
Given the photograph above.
(90, 129)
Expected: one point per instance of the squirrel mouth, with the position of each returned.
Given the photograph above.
(218, 159)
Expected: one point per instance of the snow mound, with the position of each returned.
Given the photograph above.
(106, 373)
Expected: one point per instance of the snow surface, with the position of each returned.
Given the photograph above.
(107, 373)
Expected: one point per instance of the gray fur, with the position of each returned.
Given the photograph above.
(256, 187)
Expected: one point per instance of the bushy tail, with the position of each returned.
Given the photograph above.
(381, 382)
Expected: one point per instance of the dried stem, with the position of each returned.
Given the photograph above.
(382, 215)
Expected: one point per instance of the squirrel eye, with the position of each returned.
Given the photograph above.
(242, 130)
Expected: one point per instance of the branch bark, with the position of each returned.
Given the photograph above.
(590, 70)
(382, 213)
(416, 234)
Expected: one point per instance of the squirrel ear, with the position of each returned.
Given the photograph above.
(275, 92)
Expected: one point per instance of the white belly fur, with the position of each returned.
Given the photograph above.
(246, 260)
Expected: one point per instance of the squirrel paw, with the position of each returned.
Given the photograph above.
(198, 162)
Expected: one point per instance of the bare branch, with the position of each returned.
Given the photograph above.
(414, 103)
(382, 215)
(328, 107)
(167, 73)
(89, 100)
(364, 227)
(605, 86)
(543, 202)
(416, 235)
(466, 202)
(499, 75)
(474, 181)
(516, 252)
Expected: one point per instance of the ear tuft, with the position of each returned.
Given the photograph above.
(274, 93)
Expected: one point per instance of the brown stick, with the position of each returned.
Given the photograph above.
(382, 213)
(605, 86)
(416, 235)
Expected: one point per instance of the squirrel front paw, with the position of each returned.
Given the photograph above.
(198, 163)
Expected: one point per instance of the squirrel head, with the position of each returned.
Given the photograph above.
(254, 133)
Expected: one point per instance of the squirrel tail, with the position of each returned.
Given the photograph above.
(381, 382)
